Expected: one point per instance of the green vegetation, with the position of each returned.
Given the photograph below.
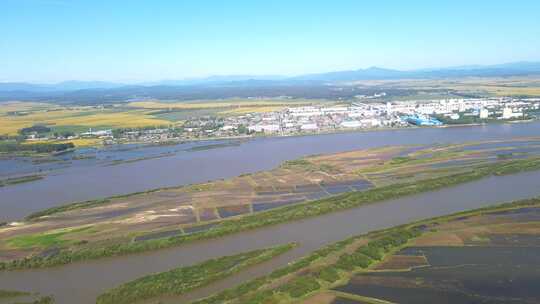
(40, 129)
(281, 215)
(39, 240)
(401, 160)
(20, 180)
(37, 148)
(364, 256)
(64, 208)
(328, 274)
(42, 300)
(301, 286)
(43, 240)
(297, 163)
(308, 166)
(181, 280)
(12, 293)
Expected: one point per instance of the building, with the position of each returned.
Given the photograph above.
(418, 120)
(264, 128)
(509, 114)
(484, 113)
(309, 126)
(351, 124)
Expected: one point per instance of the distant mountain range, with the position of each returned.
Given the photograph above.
(372, 73)
(375, 73)
(243, 85)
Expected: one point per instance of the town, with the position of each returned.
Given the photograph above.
(322, 119)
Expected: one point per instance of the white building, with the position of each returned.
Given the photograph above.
(484, 113)
(351, 124)
(508, 114)
(264, 128)
(309, 126)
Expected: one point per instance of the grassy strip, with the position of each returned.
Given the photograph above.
(384, 242)
(64, 208)
(12, 293)
(281, 215)
(181, 280)
(361, 299)
(20, 180)
(42, 300)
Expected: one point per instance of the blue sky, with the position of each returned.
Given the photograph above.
(55, 40)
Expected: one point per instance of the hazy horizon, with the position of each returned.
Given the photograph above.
(255, 75)
(50, 41)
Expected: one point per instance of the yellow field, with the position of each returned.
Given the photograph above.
(17, 106)
(511, 91)
(246, 110)
(79, 142)
(83, 142)
(202, 104)
(78, 117)
(509, 86)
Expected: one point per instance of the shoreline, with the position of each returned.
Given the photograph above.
(251, 137)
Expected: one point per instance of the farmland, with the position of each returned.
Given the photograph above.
(19, 115)
(473, 86)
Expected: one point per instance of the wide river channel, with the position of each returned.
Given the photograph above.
(86, 179)
(82, 282)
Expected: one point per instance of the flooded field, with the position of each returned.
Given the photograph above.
(97, 173)
(492, 258)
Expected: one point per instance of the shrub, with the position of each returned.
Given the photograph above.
(301, 286)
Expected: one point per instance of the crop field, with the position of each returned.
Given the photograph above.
(192, 209)
(222, 103)
(490, 87)
(453, 88)
(17, 106)
(177, 111)
(15, 116)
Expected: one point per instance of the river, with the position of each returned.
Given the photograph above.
(175, 165)
(82, 282)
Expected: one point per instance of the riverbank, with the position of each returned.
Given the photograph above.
(95, 143)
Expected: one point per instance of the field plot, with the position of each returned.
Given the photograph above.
(15, 116)
(491, 258)
(453, 88)
(180, 211)
(178, 111)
